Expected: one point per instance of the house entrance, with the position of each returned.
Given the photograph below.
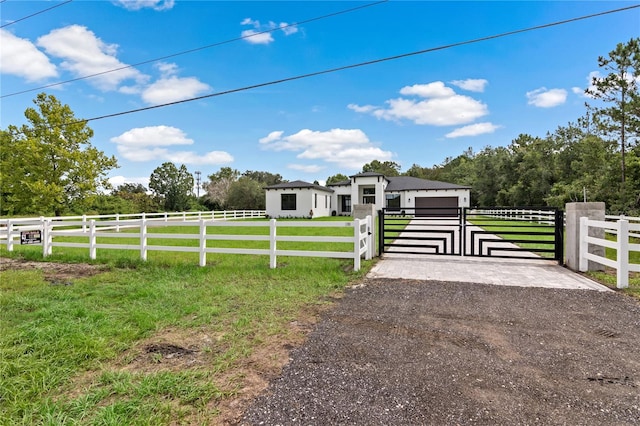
(489, 232)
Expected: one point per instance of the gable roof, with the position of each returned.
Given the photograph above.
(299, 184)
(407, 183)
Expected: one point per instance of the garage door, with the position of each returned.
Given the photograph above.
(437, 206)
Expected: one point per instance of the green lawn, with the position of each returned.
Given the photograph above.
(72, 349)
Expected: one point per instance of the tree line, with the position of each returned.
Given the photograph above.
(49, 166)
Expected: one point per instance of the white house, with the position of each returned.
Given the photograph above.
(417, 196)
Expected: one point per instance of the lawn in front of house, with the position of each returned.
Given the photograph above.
(156, 342)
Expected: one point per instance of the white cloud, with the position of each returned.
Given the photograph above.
(85, 54)
(22, 58)
(442, 106)
(153, 136)
(361, 108)
(312, 168)
(263, 33)
(142, 4)
(471, 84)
(346, 148)
(149, 144)
(288, 29)
(173, 88)
(255, 37)
(437, 89)
(547, 98)
(473, 130)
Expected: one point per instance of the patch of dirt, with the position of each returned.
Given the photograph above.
(54, 273)
(398, 352)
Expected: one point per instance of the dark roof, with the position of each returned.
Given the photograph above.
(364, 174)
(299, 184)
(407, 183)
(341, 183)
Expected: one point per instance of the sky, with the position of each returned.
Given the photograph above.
(460, 93)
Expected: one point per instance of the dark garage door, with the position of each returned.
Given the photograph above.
(437, 206)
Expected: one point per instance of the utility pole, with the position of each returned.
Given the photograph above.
(197, 173)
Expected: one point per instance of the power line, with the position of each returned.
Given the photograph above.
(184, 52)
(360, 64)
(34, 14)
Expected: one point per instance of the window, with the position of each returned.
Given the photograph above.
(393, 201)
(369, 195)
(315, 201)
(346, 203)
(288, 201)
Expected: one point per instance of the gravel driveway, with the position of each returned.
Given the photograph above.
(398, 352)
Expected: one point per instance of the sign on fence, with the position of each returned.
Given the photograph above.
(31, 237)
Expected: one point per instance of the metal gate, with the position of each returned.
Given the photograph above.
(528, 233)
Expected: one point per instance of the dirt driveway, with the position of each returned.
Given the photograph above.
(399, 352)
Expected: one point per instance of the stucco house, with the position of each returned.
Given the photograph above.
(304, 199)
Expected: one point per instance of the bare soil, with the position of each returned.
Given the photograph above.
(54, 273)
(398, 352)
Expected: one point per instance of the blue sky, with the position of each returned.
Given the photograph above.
(419, 109)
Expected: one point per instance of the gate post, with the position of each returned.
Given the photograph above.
(594, 211)
(463, 230)
(559, 237)
(381, 231)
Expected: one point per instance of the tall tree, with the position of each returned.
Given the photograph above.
(49, 164)
(337, 178)
(264, 178)
(172, 185)
(217, 189)
(136, 195)
(246, 194)
(387, 168)
(619, 89)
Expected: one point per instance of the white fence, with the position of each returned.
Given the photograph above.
(623, 231)
(361, 238)
(529, 215)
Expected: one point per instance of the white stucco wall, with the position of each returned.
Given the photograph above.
(305, 202)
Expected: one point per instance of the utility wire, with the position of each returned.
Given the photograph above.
(34, 14)
(360, 64)
(184, 52)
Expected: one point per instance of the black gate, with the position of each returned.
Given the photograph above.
(528, 233)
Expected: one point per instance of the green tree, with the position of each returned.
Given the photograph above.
(49, 164)
(337, 178)
(172, 186)
(246, 194)
(619, 89)
(217, 189)
(264, 178)
(388, 168)
(136, 195)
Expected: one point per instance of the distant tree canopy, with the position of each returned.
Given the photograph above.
(387, 168)
(49, 165)
(337, 178)
(172, 186)
(229, 189)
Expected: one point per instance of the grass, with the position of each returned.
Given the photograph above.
(72, 350)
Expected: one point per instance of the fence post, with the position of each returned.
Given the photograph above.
(84, 223)
(272, 244)
(47, 238)
(356, 244)
(370, 251)
(9, 235)
(143, 239)
(117, 222)
(203, 243)
(622, 266)
(92, 239)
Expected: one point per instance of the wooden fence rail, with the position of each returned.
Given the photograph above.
(622, 245)
(361, 238)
